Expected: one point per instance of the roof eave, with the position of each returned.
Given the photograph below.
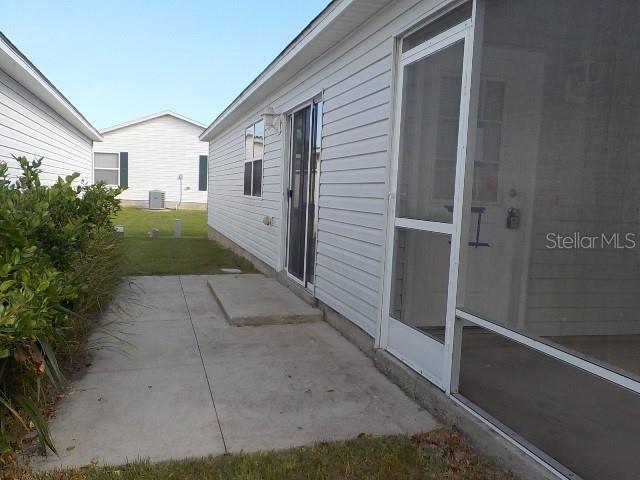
(20, 68)
(315, 27)
(151, 117)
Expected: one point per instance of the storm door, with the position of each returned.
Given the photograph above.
(304, 127)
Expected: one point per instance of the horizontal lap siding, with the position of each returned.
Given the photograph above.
(30, 128)
(237, 217)
(159, 150)
(353, 183)
(355, 78)
(586, 183)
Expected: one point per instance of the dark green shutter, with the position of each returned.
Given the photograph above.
(202, 178)
(124, 169)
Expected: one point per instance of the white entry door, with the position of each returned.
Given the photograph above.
(428, 174)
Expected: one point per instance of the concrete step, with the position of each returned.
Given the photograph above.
(253, 299)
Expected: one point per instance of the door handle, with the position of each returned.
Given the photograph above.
(513, 218)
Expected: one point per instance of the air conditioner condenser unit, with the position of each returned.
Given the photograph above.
(156, 200)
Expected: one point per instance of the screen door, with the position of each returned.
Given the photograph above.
(427, 155)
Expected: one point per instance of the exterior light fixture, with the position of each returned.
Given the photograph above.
(271, 119)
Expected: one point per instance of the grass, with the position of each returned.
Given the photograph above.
(439, 454)
(166, 255)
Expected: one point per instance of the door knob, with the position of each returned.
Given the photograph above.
(513, 218)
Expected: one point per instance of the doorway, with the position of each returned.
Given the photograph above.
(304, 128)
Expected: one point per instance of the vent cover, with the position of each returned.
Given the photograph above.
(156, 200)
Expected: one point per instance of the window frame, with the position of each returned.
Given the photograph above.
(117, 169)
(253, 160)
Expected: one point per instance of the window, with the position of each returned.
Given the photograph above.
(254, 150)
(488, 140)
(106, 168)
(202, 173)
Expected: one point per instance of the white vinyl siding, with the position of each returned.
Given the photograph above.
(30, 128)
(355, 77)
(159, 149)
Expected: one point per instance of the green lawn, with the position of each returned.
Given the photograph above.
(166, 255)
(436, 455)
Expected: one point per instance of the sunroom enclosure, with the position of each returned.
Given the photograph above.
(513, 256)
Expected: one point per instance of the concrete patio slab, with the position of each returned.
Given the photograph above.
(115, 417)
(194, 385)
(291, 385)
(155, 284)
(140, 301)
(148, 345)
(253, 299)
(194, 283)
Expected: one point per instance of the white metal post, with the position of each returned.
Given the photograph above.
(463, 192)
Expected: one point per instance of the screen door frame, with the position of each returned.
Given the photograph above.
(424, 354)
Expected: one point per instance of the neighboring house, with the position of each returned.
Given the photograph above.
(459, 180)
(158, 152)
(36, 120)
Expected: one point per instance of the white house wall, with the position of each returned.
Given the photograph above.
(356, 78)
(30, 128)
(159, 150)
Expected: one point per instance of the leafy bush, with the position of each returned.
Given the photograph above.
(57, 267)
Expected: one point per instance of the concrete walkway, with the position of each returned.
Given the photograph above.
(193, 385)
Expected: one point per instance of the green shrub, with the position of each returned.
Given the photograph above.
(58, 259)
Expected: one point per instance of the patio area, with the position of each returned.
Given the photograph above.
(191, 384)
